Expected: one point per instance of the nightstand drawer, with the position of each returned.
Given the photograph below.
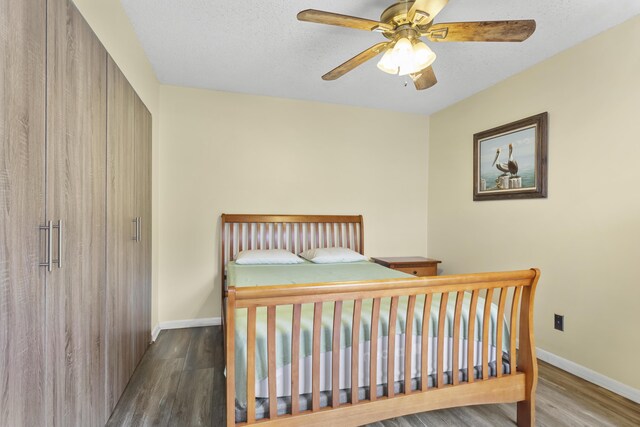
(416, 265)
(419, 271)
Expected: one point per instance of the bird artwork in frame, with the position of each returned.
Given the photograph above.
(510, 161)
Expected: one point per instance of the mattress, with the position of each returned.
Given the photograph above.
(307, 272)
(262, 275)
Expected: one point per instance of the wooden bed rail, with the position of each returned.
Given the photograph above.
(511, 292)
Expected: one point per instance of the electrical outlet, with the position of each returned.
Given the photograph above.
(558, 322)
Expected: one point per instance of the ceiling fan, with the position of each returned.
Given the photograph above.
(403, 24)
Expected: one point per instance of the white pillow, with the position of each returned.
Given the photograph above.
(267, 256)
(331, 255)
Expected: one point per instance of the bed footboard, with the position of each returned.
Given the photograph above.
(512, 293)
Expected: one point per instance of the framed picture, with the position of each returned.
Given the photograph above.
(510, 161)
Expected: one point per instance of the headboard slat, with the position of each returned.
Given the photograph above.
(326, 235)
(268, 233)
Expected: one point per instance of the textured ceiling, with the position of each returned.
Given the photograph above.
(258, 47)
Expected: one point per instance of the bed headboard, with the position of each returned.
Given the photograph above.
(294, 233)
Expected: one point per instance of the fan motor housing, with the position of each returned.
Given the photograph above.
(396, 15)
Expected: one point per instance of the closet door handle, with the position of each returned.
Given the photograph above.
(60, 235)
(135, 223)
(139, 232)
(49, 228)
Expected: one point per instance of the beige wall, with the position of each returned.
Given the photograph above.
(222, 152)
(585, 235)
(108, 20)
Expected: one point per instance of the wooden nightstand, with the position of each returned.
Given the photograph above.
(416, 265)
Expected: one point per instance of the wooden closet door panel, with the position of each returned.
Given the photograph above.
(120, 231)
(22, 210)
(142, 282)
(147, 227)
(76, 194)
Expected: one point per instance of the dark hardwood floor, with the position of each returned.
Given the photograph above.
(180, 382)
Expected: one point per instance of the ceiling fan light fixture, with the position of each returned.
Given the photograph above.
(406, 58)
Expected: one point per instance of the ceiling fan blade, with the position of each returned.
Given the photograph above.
(423, 11)
(424, 79)
(357, 60)
(487, 31)
(330, 18)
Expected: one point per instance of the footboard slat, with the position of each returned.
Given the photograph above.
(271, 355)
(355, 350)
(515, 302)
(455, 359)
(251, 364)
(499, 326)
(315, 370)
(424, 366)
(408, 341)
(295, 359)
(485, 333)
(373, 351)
(335, 354)
(442, 318)
(229, 341)
(391, 349)
(471, 336)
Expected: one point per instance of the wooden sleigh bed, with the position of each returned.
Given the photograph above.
(511, 294)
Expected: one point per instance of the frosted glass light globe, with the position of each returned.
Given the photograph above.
(423, 55)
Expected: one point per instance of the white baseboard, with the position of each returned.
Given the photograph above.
(186, 323)
(154, 333)
(589, 375)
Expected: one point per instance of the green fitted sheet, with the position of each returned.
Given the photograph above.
(307, 272)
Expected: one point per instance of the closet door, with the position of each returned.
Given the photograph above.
(142, 261)
(76, 196)
(22, 151)
(121, 232)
